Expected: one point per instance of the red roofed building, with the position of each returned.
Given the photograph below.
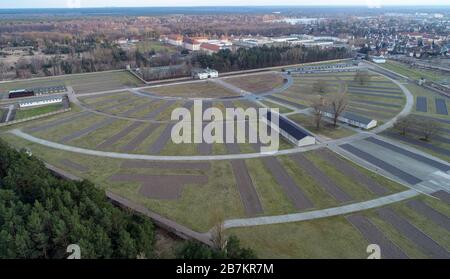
(175, 40)
(191, 44)
(209, 48)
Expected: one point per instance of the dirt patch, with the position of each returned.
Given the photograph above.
(247, 191)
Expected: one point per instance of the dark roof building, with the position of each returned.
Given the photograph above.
(291, 131)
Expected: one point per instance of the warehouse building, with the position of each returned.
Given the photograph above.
(292, 131)
(40, 101)
(353, 119)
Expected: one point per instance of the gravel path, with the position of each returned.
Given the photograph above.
(373, 235)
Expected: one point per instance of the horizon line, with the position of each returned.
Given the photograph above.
(247, 5)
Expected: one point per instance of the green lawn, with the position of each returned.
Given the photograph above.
(31, 112)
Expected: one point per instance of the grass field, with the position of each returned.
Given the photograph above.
(82, 83)
(204, 89)
(443, 137)
(257, 83)
(413, 73)
(147, 46)
(366, 99)
(31, 112)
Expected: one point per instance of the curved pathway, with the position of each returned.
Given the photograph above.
(295, 217)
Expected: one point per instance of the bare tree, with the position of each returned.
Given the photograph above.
(218, 236)
(362, 77)
(338, 104)
(404, 123)
(318, 105)
(428, 128)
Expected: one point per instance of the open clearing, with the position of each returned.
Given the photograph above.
(194, 193)
(257, 83)
(202, 89)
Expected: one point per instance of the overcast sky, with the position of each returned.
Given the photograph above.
(144, 3)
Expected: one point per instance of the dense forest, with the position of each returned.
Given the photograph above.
(40, 215)
(265, 56)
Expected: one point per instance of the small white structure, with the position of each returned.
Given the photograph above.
(353, 119)
(379, 60)
(205, 73)
(40, 101)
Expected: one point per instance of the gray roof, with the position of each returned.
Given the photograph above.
(353, 116)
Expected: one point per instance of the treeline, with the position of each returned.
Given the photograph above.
(265, 56)
(41, 215)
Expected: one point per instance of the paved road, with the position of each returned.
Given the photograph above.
(427, 187)
(323, 213)
(10, 113)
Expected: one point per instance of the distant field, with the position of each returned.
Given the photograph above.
(81, 83)
(413, 73)
(257, 83)
(147, 46)
(206, 89)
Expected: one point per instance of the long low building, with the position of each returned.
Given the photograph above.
(291, 131)
(353, 119)
(40, 101)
